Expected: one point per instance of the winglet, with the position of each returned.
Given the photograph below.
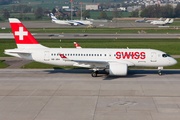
(64, 57)
(77, 46)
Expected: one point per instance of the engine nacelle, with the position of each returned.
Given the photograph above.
(75, 24)
(118, 69)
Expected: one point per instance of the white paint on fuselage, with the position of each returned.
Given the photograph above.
(153, 58)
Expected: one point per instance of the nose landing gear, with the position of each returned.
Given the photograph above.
(159, 72)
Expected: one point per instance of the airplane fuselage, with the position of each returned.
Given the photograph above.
(131, 57)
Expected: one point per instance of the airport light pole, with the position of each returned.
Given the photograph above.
(81, 10)
(71, 8)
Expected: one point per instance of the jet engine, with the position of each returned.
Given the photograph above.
(118, 69)
(75, 24)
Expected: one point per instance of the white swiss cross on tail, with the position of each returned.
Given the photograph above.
(21, 33)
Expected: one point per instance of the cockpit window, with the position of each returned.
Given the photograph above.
(165, 55)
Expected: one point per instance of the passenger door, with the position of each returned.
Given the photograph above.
(153, 57)
(46, 56)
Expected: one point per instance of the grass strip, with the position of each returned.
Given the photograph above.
(2, 64)
(97, 30)
(170, 46)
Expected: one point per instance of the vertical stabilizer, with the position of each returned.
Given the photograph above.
(22, 36)
(53, 17)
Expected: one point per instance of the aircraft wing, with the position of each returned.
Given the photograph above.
(89, 61)
(92, 63)
(82, 61)
(86, 63)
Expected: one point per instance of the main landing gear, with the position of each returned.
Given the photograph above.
(94, 73)
(159, 72)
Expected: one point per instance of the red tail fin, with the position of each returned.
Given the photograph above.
(21, 34)
(77, 46)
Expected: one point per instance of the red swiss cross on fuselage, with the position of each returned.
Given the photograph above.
(21, 33)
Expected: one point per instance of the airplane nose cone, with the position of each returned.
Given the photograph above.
(173, 61)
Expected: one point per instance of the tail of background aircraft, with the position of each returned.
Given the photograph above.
(167, 20)
(160, 19)
(144, 19)
(171, 21)
(22, 36)
(53, 17)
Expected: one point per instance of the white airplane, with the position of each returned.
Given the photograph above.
(115, 61)
(70, 22)
(160, 22)
(148, 21)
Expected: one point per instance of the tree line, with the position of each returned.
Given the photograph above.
(39, 12)
(156, 11)
(4, 2)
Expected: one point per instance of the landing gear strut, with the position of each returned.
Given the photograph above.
(94, 73)
(159, 72)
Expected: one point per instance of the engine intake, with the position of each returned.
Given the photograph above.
(118, 69)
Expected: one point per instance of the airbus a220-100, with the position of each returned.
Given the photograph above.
(114, 61)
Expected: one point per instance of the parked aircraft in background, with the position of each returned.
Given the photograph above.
(140, 20)
(148, 21)
(160, 22)
(114, 61)
(70, 22)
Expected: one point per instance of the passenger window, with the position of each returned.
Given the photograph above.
(94, 54)
(54, 54)
(100, 54)
(89, 54)
(51, 54)
(86, 54)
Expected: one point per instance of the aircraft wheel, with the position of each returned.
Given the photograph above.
(159, 73)
(94, 74)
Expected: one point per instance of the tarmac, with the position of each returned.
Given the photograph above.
(47, 94)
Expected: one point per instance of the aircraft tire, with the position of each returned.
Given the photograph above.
(94, 74)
